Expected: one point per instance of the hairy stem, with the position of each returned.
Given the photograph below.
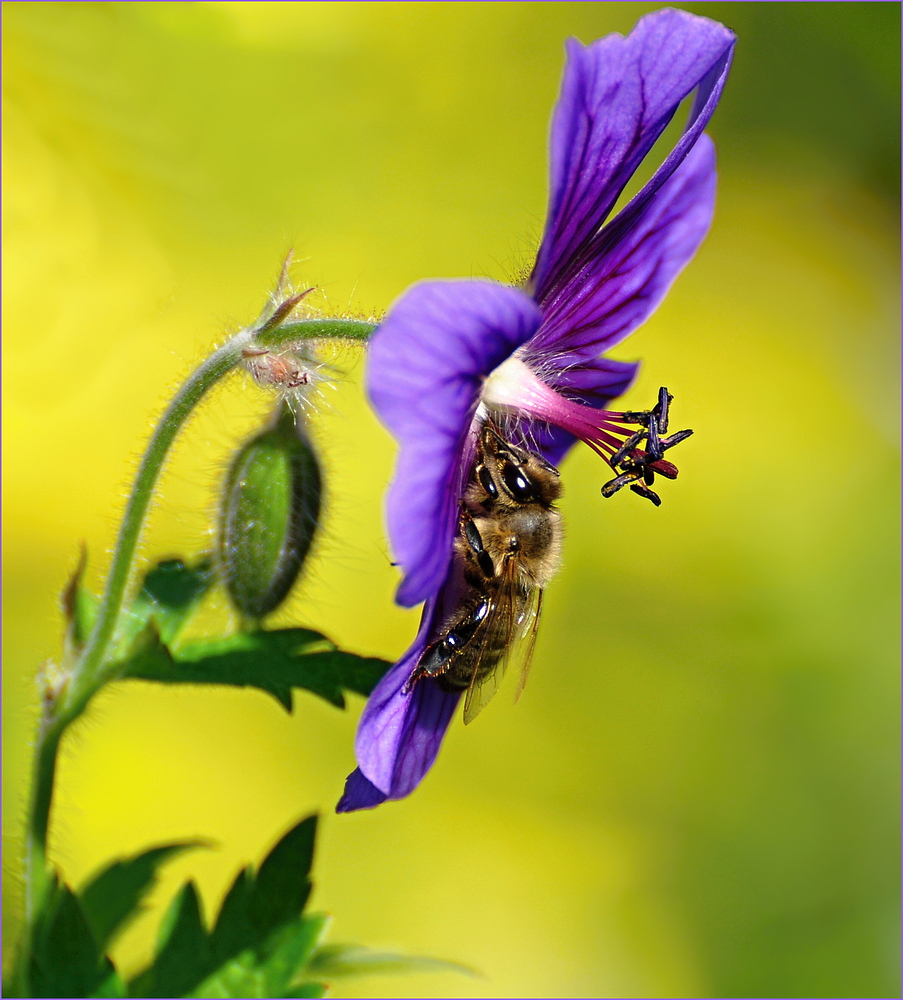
(44, 771)
(88, 674)
(219, 364)
(93, 668)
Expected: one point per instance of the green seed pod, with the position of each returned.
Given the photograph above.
(270, 511)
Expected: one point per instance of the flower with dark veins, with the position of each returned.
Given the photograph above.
(452, 354)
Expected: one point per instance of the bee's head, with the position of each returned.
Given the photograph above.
(511, 476)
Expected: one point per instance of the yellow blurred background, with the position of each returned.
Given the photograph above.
(698, 793)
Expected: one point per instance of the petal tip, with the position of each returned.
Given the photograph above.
(359, 793)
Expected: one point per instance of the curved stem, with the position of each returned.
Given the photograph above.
(44, 771)
(88, 674)
(92, 671)
(219, 364)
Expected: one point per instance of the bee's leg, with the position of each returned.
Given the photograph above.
(475, 541)
(437, 658)
(434, 662)
(484, 478)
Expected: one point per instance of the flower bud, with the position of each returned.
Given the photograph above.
(269, 513)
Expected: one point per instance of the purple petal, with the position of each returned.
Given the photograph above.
(596, 381)
(426, 365)
(359, 794)
(633, 263)
(617, 97)
(400, 731)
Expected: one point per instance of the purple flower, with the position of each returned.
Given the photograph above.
(451, 353)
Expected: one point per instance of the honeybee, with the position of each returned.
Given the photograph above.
(508, 547)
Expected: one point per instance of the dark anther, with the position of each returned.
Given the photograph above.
(637, 467)
(612, 487)
(669, 442)
(660, 410)
(626, 448)
(644, 491)
(653, 442)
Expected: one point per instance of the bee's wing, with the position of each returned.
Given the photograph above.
(508, 633)
(530, 631)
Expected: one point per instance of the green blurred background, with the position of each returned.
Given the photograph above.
(698, 794)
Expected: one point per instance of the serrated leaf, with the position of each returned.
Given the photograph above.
(334, 961)
(183, 952)
(65, 959)
(260, 938)
(260, 941)
(289, 951)
(283, 885)
(170, 593)
(146, 652)
(79, 609)
(269, 971)
(241, 976)
(113, 896)
(78, 605)
(233, 931)
(274, 661)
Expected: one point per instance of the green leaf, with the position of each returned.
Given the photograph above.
(233, 931)
(316, 329)
(183, 952)
(239, 977)
(283, 886)
(65, 959)
(334, 961)
(261, 941)
(289, 951)
(269, 971)
(254, 907)
(274, 661)
(79, 607)
(146, 653)
(170, 593)
(113, 896)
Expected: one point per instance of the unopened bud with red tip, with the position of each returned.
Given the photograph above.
(269, 515)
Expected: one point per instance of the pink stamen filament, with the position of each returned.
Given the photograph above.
(515, 387)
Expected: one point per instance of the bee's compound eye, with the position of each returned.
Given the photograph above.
(486, 481)
(516, 482)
